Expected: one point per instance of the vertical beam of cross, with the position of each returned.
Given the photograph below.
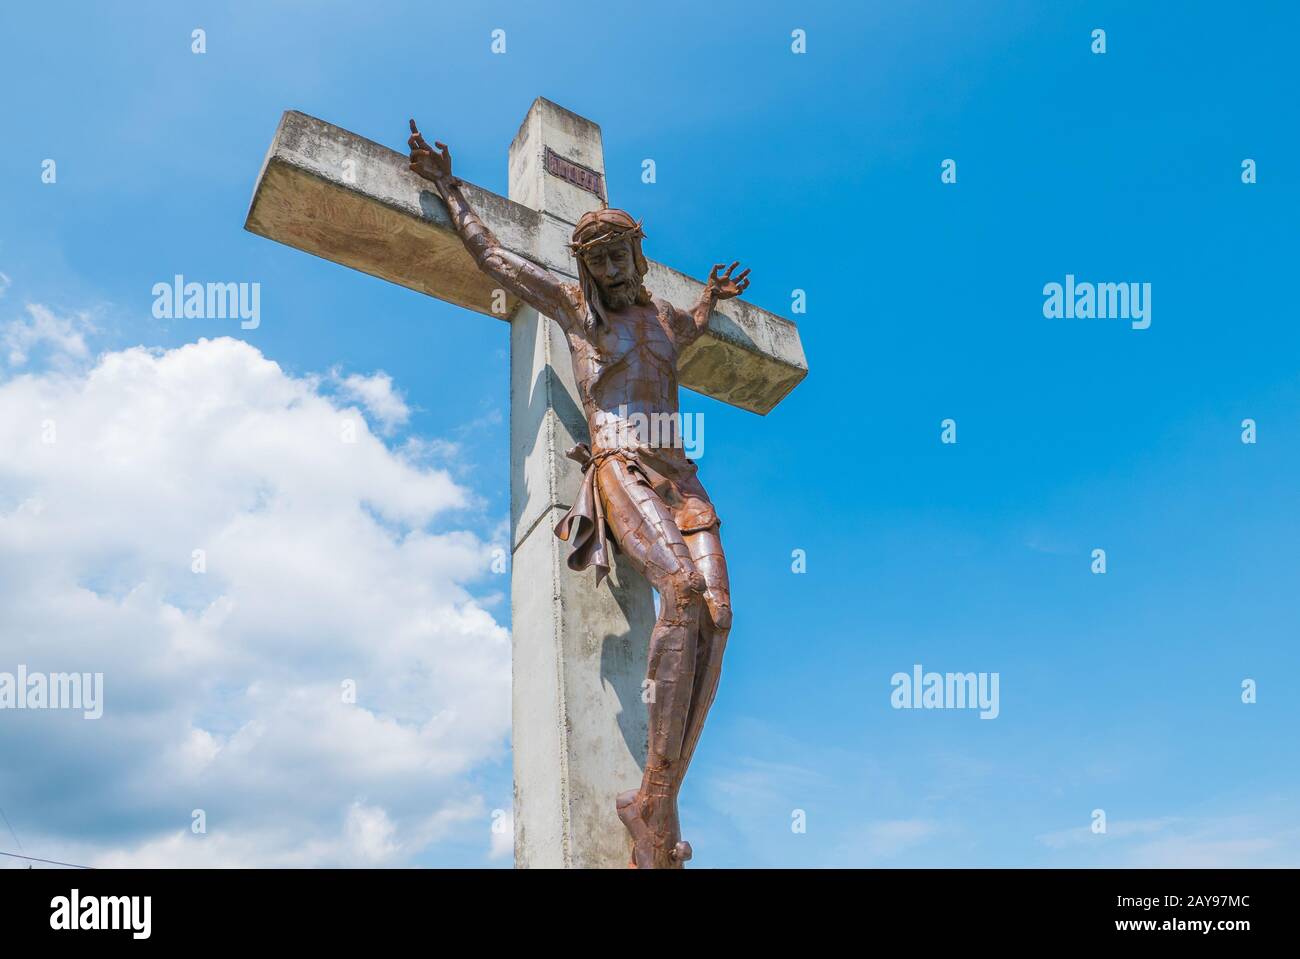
(579, 652)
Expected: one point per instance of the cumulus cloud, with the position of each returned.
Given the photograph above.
(282, 618)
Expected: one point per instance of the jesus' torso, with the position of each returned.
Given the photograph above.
(626, 372)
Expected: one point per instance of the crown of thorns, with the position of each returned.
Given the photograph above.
(612, 232)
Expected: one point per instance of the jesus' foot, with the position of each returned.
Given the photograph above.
(656, 835)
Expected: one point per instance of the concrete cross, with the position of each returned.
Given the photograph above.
(579, 724)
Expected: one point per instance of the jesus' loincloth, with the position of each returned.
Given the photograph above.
(667, 471)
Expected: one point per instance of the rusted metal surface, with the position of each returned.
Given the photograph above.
(580, 176)
(640, 493)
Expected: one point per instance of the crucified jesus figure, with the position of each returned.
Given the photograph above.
(639, 489)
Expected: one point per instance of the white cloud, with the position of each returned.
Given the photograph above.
(368, 838)
(224, 690)
(378, 397)
(62, 336)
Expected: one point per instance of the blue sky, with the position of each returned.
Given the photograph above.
(821, 172)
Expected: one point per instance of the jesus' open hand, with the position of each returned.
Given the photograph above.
(724, 286)
(424, 161)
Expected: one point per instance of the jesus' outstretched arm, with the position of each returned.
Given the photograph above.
(536, 286)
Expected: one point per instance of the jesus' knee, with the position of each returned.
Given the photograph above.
(719, 608)
(681, 594)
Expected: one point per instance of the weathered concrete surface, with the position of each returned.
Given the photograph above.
(548, 124)
(580, 727)
(353, 201)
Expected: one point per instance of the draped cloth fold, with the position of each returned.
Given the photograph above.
(583, 526)
(669, 473)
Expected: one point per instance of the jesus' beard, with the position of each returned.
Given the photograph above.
(620, 298)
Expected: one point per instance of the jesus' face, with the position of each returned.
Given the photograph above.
(613, 267)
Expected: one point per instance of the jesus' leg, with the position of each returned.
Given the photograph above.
(715, 624)
(644, 528)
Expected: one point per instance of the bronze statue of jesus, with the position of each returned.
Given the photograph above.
(640, 489)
